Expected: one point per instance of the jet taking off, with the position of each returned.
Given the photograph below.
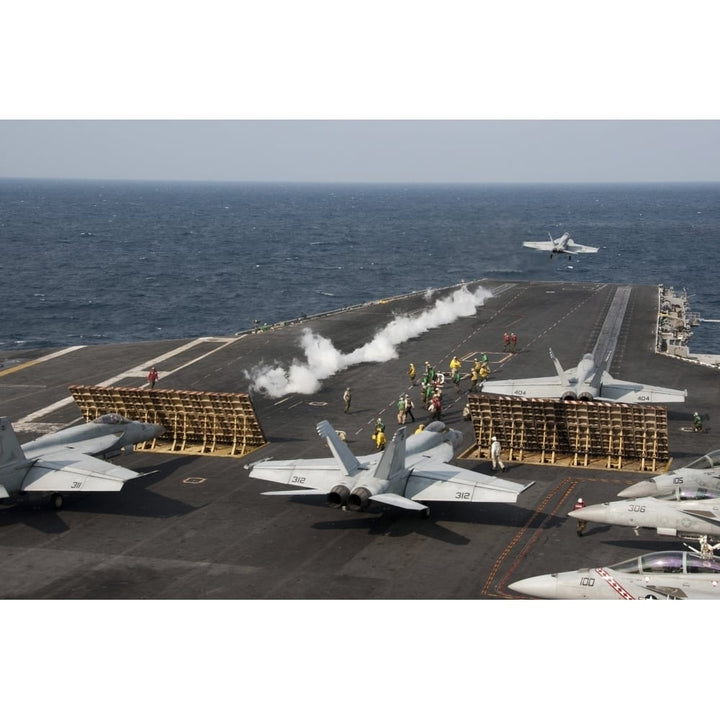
(563, 245)
(404, 475)
(697, 481)
(587, 381)
(69, 460)
(667, 575)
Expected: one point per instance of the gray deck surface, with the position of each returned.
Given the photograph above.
(198, 527)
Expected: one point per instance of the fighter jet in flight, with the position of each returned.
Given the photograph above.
(697, 481)
(687, 519)
(69, 460)
(587, 381)
(405, 474)
(564, 245)
(671, 575)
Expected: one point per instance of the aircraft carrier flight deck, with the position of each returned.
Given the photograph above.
(196, 526)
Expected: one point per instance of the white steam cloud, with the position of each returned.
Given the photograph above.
(323, 360)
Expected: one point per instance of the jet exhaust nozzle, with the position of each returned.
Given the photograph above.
(569, 395)
(585, 397)
(359, 499)
(338, 496)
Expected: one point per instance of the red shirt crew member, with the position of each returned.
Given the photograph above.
(152, 377)
(581, 524)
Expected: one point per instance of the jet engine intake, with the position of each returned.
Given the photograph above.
(359, 499)
(338, 496)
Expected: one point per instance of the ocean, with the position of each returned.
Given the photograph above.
(87, 262)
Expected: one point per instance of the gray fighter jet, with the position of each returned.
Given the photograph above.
(70, 460)
(564, 245)
(697, 481)
(405, 474)
(587, 381)
(688, 519)
(671, 575)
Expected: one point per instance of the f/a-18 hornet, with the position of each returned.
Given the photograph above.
(671, 575)
(405, 474)
(697, 481)
(70, 460)
(563, 245)
(587, 381)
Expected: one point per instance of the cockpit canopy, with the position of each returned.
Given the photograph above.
(436, 426)
(681, 493)
(668, 561)
(706, 462)
(112, 419)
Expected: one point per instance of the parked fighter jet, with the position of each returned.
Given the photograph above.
(688, 519)
(404, 474)
(697, 481)
(587, 381)
(670, 575)
(69, 460)
(562, 245)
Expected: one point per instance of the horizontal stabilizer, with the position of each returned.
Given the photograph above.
(398, 501)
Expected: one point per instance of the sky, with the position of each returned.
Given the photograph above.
(388, 91)
(389, 151)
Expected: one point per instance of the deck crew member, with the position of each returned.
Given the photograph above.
(581, 524)
(495, 450)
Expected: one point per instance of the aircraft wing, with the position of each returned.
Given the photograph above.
(321, 474)
(631, 392)
(540, 245)
(542, 387)
(574, 247)
(441, 481)
(73, 472)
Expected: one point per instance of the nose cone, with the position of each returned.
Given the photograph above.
(150, 431)
(592, 513)
(540, 586)
(644, 488)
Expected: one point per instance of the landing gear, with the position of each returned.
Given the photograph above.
(56, 501)
(425, 513)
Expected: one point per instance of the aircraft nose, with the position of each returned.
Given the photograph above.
(644, 488)
(592, 513)
(157, 430)
(540, 586)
